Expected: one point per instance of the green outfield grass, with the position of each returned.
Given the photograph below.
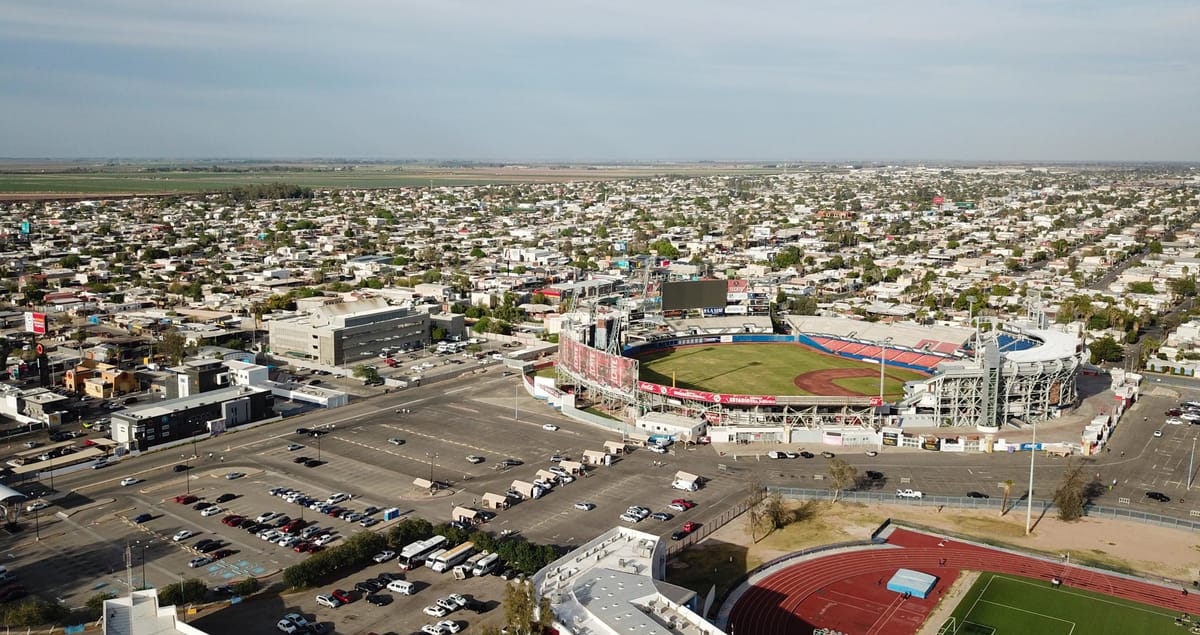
(1011, 605)
(760, 369)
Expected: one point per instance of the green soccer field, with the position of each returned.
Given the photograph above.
(1010, 605)
(761, 369)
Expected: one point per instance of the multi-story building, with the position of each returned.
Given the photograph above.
(144, 426)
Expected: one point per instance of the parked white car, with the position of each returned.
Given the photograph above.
(211, 511)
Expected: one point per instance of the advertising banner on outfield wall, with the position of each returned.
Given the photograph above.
(596, 366)
(711, 397)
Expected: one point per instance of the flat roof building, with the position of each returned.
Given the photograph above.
(613, 585)
(349, 332)
(144, 426)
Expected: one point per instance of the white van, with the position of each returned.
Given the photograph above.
(403, 587)
(687, 486)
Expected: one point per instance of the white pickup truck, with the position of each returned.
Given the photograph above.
(909, 493)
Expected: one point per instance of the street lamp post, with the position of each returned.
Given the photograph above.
(1191, 461)
(431, 456)
(187, 478)
(37, 526)
(142, 548)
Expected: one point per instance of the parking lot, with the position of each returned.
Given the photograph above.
(83, 547)
(87, 527)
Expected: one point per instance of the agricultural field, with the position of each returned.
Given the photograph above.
(769, 369)
(20, 179)
(1002, 605)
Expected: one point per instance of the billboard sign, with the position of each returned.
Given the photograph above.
(694, 295)
(596, 366)
(35, 323)
(938, 200)
(876, 402)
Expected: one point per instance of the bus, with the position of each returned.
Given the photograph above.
(413, 555)
(455, 556)
(486, 565)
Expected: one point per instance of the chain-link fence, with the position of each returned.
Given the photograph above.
(964, 502)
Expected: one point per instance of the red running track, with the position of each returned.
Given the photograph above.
(847, 592)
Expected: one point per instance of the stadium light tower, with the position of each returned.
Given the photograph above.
(883, 365)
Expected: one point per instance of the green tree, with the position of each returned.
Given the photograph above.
(33, 611)
(842, 475)
(1106, 349)
(95, 603)
(776, 512)
(191, 591)
(369, 374)
(524, 612)
(174, 346)
(408, 531)
(246, 587)
(1070, 497)
(1183, 287)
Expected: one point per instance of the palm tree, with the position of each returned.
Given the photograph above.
(1008, 485)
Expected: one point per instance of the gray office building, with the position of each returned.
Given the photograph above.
(347, 333)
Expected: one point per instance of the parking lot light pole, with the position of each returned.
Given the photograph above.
(1191, 461)
(1029, 499)
(431, 457)
(187, 478)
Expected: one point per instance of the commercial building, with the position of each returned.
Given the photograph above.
(349, 332)
(146, 426)
(614, 584)
(139, 614)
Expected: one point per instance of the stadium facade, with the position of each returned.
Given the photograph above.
(1005, 373)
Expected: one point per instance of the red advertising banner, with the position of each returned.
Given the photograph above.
(596, 366)
(737, 286)
(711, 397)
(876, 402)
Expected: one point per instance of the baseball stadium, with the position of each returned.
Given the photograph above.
(827, 379)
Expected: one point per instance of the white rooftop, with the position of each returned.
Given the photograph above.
(139, 614)
(612, 586)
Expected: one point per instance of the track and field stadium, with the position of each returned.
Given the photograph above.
(821, 382)
(856, 589)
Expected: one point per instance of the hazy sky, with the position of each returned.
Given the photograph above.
(612, 80)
